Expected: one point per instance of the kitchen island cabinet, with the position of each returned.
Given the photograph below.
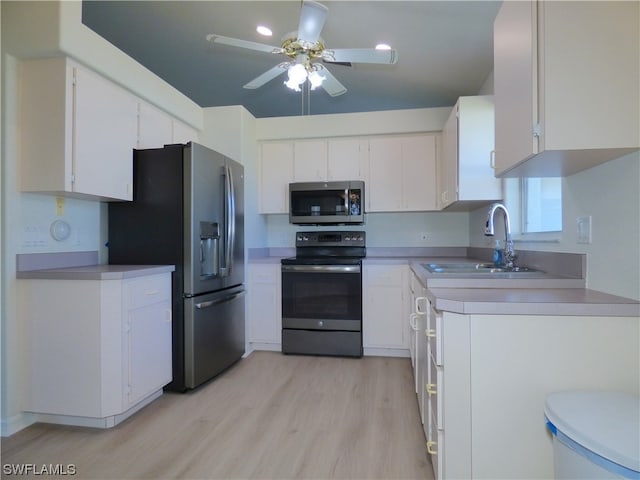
(99, 341)
(566, 78)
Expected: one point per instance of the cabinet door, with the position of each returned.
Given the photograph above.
(348, 159)
(106, 130)
(154, 127)
(419, 173)
(385, 174)
(276, 172)
(265, 304)
(515, 81)
(310, 161)
(448, 162)
(149, 350)
(475, 177)
(384, 319)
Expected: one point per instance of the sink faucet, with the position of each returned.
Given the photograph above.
(509, 253)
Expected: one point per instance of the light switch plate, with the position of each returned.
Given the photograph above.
(583, 228)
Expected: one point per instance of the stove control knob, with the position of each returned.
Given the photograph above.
(347, 238)
(305, 238)
(299, 238)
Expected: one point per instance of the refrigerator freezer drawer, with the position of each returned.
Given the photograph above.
(214, 334)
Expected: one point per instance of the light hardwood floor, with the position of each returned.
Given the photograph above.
(270, 416)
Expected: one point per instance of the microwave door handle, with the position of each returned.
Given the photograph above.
(346, 201)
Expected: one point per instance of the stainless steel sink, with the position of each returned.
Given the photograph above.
(476, 268)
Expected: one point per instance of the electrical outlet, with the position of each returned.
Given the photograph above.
(583, 229)
(59, 206)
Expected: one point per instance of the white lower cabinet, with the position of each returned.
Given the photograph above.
(384, 327)
(488, 378)
(265, 306)
(98, 350)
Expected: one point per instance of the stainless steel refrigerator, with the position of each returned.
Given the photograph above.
(188, 211)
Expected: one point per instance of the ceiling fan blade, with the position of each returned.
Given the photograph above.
(360, 55)
(267, 76)
(312, 18)
(331, 84)
(236, 42)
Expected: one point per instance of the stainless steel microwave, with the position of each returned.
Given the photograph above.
(326, 203)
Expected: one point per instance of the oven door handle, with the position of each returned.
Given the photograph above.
(321, 268)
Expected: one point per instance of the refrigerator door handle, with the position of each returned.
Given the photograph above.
(211, 303)
(229, 222)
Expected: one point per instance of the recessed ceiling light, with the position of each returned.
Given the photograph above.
(262, 30)
(383, 46)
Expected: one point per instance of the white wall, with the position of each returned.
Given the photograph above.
(610, 194)
(388, 229)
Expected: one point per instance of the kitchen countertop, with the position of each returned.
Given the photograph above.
(532, 301)
(95, 272)
(482, 294)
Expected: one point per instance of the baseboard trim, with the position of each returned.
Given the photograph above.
(11, 425)
(386, 352)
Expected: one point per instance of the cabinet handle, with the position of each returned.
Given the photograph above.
(431, 449)
(420, 311)
(169, 317)
(430, 332)
(492, 159)
(431, 389)
(413, 321)
(151, 292)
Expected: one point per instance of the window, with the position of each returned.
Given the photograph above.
(535, 206)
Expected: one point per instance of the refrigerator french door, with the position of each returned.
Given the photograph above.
(187, 211)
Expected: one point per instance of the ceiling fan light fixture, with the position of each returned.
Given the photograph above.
(297, 73)
(315, 79)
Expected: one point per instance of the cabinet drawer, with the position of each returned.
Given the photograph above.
(144, 291)
(434, 334)
(434, 390)
(435, 447)
(384, 274)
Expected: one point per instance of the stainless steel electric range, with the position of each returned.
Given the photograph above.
(322, 294)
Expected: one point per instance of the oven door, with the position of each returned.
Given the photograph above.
(322, 297)
(322, 310)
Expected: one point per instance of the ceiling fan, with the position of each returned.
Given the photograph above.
(307, 54)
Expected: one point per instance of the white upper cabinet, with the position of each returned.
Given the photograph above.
(310, 161)
(339, 159)
(348, 159)
(83, 145)
(154, 127)
(465, 174)
(566, 78)
(276, 172)
(402, 173)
